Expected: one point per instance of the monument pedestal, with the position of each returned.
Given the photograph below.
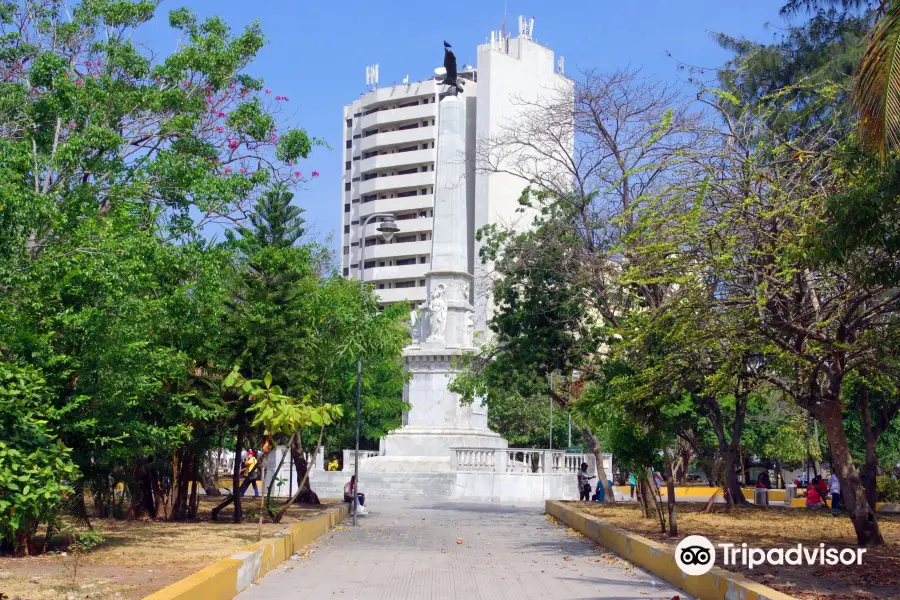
(442, 330)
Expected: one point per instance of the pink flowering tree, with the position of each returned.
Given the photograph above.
(89, 118)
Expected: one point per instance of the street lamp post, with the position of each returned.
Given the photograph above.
(388, 228)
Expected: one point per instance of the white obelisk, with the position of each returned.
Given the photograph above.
(442, 332)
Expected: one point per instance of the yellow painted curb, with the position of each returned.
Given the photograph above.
(659, 559)
(228, 577)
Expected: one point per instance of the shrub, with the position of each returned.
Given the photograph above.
(35, 468)
(887, 489)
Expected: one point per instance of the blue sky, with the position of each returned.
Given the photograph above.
(317, 51)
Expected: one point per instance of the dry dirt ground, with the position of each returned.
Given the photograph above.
(138, 557)
(878, 577)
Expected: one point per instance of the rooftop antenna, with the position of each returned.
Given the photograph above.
(372, 76)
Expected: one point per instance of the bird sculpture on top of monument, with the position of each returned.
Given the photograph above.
(451, 78)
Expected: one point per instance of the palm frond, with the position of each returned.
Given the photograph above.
(877, 93)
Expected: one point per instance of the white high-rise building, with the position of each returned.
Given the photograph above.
(390, 153)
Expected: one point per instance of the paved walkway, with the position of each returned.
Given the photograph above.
(455, 550)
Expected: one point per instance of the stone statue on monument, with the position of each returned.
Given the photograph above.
(418, 323)
(437, 307)
(451, 77)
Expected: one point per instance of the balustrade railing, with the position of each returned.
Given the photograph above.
(475, 459)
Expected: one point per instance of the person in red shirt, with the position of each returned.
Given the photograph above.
(813, 498)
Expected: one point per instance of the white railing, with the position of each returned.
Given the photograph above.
(363, 455)
(475, 459)
(524, 460)
(519, 460)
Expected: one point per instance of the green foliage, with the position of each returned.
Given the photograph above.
(888, 489)
(36, 470)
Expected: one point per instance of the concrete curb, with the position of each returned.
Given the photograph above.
(225, 579)
(659, 559)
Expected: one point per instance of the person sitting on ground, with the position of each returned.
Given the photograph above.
(822, 488)
(813, 498)
(584, 483)
(600, 494)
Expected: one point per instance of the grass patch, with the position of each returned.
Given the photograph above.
(138, 557)
(878, 577)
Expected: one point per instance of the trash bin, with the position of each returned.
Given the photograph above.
(761, 496)
(790, 492)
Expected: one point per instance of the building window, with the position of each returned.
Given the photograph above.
(408, 171)
(381, 264)
(347, 166)
(369, 176)
(380, 286)
(355, 201)
(354, 222)
(349, 122)
(424, 146)
(403, 239)
(424, 213)
(347, 187)
(410, 126)
(371, 242)
(349, 144)
(370, 154)
(346, 229)
(408, 149)
(421, 283)
(354, 267)
(424, 169)
(370, 132)
(346, 272)
(414, 103)
(346, 207)
(425, 101)
(356, 180)
(346, 250)
(357, 136)
(405, 261)
(370, 264)
(355, 115)
(406, 194)
(369, 198)
(405, 284)
(406, 216)
(423, 237)
(422, 260)
(355, 158)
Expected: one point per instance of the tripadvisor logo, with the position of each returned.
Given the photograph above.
(696, 555)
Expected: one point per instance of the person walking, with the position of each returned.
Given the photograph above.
(249, 470)
(834, 486)
(584, 483)
(632, 483)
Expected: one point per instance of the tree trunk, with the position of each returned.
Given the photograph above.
(657, 502)
(295, 447)
(192, 503)
(236, 476)
(728, 450)
(593, 445)
(158, 492)
(853, 495)
(185, 474)
(670, 495)
(209, 475)
(305, 494)
(870, 435)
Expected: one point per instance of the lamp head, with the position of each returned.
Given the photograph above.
(388, 228)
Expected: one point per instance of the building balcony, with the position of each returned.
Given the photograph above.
(413, 294)
(396, 182)
(397, 138)
(394, 93)
(416, 271)
(397, 159)
(396, 205)
(389, 251)
(420, 112)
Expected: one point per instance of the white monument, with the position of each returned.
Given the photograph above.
(441, 327)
